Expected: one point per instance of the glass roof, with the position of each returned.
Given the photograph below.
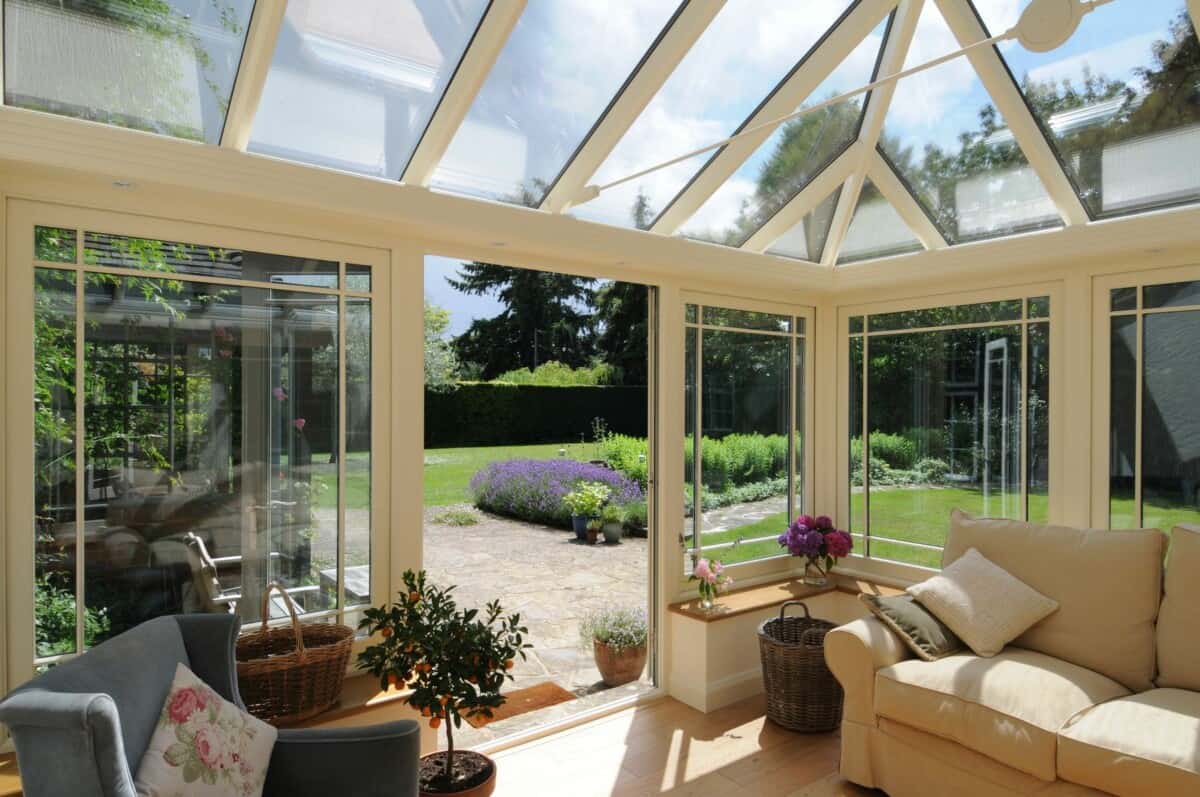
(1120, 101)
(358, 87)
(563, 64)
(371, 74)
(743, 55)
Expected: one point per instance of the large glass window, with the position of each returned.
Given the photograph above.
(876, 229)
(744, 465)
(196, 438)
(166, 66)
(949, 410)
(1154, 448)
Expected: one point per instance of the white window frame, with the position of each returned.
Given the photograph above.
(17, 644)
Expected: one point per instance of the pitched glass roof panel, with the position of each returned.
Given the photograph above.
(746, 51)
(559, 70)
(806, 240)
(946, 139)
(353, 85)
(795, 153)
(166, 67)
(876, 230)
(1120, 101)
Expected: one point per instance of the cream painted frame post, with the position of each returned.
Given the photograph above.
(757, 570)
(21, 217)
(905, 573)
(1101, 380)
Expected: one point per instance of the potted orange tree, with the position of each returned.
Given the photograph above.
(454, 661)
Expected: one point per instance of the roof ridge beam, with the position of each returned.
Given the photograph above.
(476, 64)
(895, 51)
(1003, 90)
(893, 189)
(258, 51)
(836, 46)
(813, 194)
(656, 68)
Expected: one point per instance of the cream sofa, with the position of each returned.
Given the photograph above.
(1101, 697)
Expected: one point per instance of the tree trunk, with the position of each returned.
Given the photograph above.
(449, 747)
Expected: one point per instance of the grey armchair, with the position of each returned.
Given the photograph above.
(81, 728)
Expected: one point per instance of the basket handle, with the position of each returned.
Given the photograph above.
(801, 604)
(291, 607)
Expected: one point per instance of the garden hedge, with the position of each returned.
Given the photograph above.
(481, 414)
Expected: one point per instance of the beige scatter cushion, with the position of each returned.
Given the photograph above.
(986, 606)
(1179, 618)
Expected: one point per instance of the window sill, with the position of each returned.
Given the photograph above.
(774, 593)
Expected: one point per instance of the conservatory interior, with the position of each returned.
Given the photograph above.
(803, 383)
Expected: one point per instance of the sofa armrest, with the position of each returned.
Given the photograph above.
(68, 743)
(376, 761)
(854, 652)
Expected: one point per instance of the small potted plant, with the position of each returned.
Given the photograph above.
(712, 579)
(454, 661)
(612, 518)
(584, 504)
(618, 639)
(819, 543)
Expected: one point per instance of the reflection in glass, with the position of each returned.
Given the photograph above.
(806, 240)
(1039, 307)
(946, 139)
(358, 453)
(1005, 310)
(746, 319)
(358, 278)
(353, 86)
(856, 324)
(876, 230)
(858, 496)
(166, 66)
(559, 70)
(1037, 423)
(54, 244)
(1118, 101)
(54, 466)
(1170, 421)
(1124, 299)
(1174, 294)
(1122, 460)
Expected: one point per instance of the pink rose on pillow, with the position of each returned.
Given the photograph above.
(185, 703)
(206, 748)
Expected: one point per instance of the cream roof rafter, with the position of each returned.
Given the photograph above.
(265, 22)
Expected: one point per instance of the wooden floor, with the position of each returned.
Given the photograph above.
(667, 748)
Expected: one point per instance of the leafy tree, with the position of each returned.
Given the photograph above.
(623, 312)
(441, 363)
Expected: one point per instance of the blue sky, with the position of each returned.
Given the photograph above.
(463, 307)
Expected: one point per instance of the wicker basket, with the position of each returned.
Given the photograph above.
(288, 674)
(802, 693)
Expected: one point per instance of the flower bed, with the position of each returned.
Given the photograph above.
(533, 489)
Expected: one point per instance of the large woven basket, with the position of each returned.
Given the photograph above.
(288, 674)
(802, 693)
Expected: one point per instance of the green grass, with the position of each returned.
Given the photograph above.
(448, 471)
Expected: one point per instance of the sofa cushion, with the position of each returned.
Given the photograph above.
(1108, 585)
(1145, 744)
(916, 627)
(1008, 707)
(1179, 617)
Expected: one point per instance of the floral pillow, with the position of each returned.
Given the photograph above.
(204, 746)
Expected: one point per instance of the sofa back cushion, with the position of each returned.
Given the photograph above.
(1108, 585)
(1179, 618)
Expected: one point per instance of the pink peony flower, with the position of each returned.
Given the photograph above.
(299, 424)
(822, 522)
(206, 748)
(702, 570)
(183, 704)
(839, 544)
(807, 521)
(279, 393)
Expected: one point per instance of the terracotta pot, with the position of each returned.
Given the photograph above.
(593, 535)
(484, 789)
(619, 666)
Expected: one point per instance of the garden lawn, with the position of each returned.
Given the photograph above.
(448, 471)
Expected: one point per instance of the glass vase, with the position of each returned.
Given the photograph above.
(708, 595)
(814, 574)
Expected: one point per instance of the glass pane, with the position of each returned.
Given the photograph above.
(856, 324)
(689, 313)
(746, 384)
(1122, 458)
(799, 322)
(1037, 424)
(358, 453)
(358, 278)
(747, 50)
(353, 85)
(945, 138)
(858, 496)
(798, 504)
(54, 244)
(876, 230)
(691, 531)
(1039, 307)
(1175, 294)
(806, 240)
(54, 466)
(559, 70)
(746, 319)
(1124, 299)
(211, 418)
(1118, 101)
(165, 66)
(1170, 443)
(795, 153)
(146, 254)
(1007, 310)
(945, 424)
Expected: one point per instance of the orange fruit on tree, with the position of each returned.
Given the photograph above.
(413, 597)
(426, 712)
(385, 632)
(508, 665)
(393, 679)
(433, 723)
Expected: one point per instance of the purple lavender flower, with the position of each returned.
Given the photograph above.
(533, 489)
